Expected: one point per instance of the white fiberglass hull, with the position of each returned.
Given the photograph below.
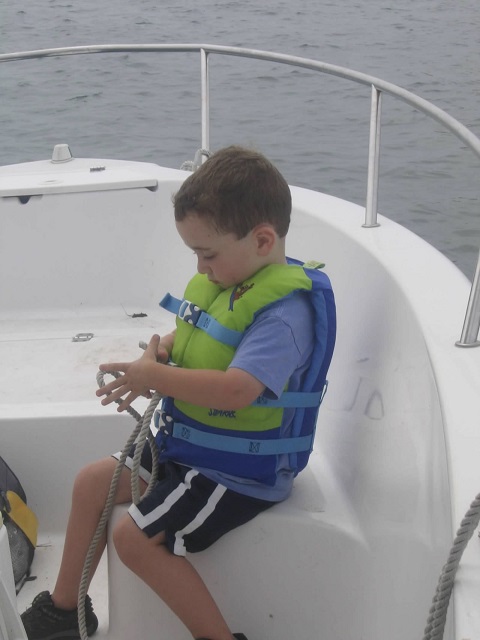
(357, 550)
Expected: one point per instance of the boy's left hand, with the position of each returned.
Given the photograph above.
(134, 381)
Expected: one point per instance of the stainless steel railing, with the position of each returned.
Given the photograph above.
(470, 332)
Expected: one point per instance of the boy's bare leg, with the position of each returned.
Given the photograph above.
(90, 491)
(172, 578)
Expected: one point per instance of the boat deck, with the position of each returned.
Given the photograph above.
(59, 407)
(72, 365)
(44, 571)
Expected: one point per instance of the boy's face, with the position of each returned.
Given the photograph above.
(225, 259)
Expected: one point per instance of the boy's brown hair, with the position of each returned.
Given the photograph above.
(236, 189)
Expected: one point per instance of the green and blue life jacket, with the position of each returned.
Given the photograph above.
(210, 324)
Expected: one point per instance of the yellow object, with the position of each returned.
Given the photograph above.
(23, 517)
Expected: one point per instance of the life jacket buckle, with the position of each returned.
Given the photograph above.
(189, 312)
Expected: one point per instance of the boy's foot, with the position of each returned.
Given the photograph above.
(44, 621)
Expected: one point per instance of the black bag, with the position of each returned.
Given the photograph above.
(21, 524)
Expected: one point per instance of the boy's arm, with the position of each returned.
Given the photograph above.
(226, 390)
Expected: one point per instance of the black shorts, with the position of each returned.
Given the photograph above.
(192, 510)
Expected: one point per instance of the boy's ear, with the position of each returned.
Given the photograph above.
(265, 238)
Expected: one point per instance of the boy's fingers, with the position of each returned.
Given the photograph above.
(113, 396)
(153, 344)
(111, 386)
(128, 401)
(112, 366)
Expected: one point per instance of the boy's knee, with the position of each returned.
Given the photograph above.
(122, 537)
(126, 539)
(131, 543)
(93, 481)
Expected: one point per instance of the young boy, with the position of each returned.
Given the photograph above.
(253, 342)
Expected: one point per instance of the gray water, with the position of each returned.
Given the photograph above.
(315, 128)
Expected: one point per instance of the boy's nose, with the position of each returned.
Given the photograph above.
(201, 266)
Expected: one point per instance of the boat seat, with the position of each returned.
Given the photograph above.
(258, 595)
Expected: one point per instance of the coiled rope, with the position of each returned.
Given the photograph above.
(140, 434)
(438, 611)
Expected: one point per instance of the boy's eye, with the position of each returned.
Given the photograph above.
(204, 256)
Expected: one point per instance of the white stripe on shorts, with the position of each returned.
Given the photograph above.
(202, 515)
(158, 512)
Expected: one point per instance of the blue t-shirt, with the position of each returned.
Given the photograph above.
(275, 349)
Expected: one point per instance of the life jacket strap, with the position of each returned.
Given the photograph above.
(194, 315)
(233, 444)
(292, 400)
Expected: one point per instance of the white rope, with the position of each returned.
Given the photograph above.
(140, 434)
(438, 611)
(193, 165)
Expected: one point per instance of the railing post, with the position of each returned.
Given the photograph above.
(373, 159)
(471, 325)
(205, 100)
